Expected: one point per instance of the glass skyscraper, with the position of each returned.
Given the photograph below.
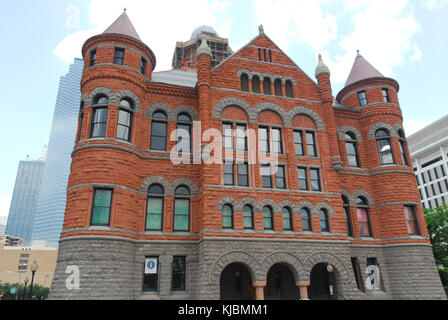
(51, 205)
(24, 199)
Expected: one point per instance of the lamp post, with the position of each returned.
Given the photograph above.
(33, 271)
(24, 290)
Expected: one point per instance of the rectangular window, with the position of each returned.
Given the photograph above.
(183, 136)
(298, 143)
(243, 174)
(92, 57)
(357, 273)
(227, 136)
(266, 176)
(263, 140)
(228, 174)
(241, 139)
(315, 180)
(259, 54)
(151, 274)
(352, 154)
(119, 56)
(386, 97)
(403, 153)
(264, 53)
(411, 220)
(158, 135)
(23, 261)
(22, 267)
(310, 144)
(154, 213)
(99, 123)
(362, 98)
(181, 214)
(24, 255)
(277, 147)
(124, 125)
(101, 207)
(303, 181)
(280, 178)
(363, 222)
(179, 270)
(142, 66)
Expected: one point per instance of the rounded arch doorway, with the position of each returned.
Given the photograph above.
(236, 283)
(281, 284)
(323, 282)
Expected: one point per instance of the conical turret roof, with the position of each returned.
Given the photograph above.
(123, 25)
(361, 70)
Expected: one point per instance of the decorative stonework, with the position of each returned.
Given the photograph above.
(219, 107)
(169, 187)
(272, 107)
(381, 125)
(308, 112)
(342, 131)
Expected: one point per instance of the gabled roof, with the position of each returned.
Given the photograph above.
(361, 70)
(123, 26)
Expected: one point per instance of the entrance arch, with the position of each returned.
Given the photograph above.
(323, 283)
(281, 284)
(236, 283)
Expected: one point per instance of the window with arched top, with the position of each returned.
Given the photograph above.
(278, 87)
(124, 122)
(248, 217)
(382, 137)
(181, 221)
(227, 217)
(183, 133)
(362, 211)
(99, 117)
(324, 222)
(403, 147)
(256, 84)
(267, 86)
(351, 148)
(268, 221)
(306, 219)
(154, 208)
(244, 82)
(346, 207)
(288, 89)
(158, 131)
(287, 219)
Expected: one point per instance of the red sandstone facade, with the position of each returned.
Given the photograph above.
(130, 167)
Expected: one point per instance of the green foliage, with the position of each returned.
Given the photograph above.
(443, 272)
(437, 223)
(39, 292)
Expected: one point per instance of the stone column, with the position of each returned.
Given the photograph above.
(259, 289)
(303, 286)
(165, 264)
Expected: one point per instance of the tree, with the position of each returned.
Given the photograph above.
(437, 223)
(39, 292)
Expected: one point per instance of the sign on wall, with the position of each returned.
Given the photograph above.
(150, 265)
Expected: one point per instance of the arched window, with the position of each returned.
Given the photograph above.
(227, 217)
(288, 89)
(181, 209)
(278, 87)
(183, 133)
(248, 217)
(384, 148)
(99, 117)
(306, 219)
(244, 82)
(324, 224)
(158, 131)
(346, 206)
(287, 219)
(362, 211)
(124, 122)
(352, 150)
(403, 147)
(267, 86)
(268, 218)
(154, 208)
(256, 84)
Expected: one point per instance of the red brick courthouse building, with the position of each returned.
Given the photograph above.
(340, 197)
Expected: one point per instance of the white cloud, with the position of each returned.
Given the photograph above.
(435, 4)
(158, 25)
(412, 126)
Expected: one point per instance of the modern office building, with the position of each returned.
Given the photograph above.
(429, 153)
(24, 199)
(321, 189)
(3, 225)
(51, 205)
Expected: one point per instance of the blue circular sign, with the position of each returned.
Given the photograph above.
(151, 265)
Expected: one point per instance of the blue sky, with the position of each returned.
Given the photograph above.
(403, 39)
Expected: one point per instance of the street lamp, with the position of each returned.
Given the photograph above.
(24, 290)
(33, 271)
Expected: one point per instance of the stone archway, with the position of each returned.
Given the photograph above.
(236, 283)
(280, 284)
